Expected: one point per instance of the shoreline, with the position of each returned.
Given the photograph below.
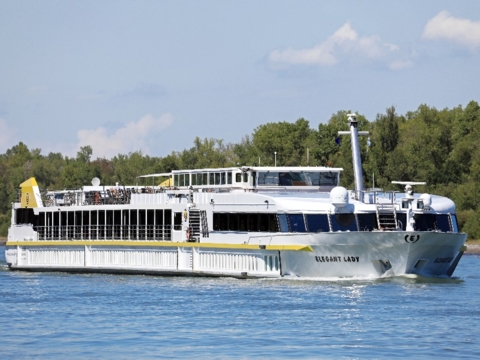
(472, 249)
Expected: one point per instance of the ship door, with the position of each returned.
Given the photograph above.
(197, 223)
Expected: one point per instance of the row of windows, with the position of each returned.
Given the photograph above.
(265, 178)
(207, 178)
(300, 178)
(95, 217)
(271, 222)
(264, 222)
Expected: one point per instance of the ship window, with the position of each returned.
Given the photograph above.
(424, 222)
(367, 222)
(187, 179)
(168, 224)
(343, 222)
(233, 223)
(283, 222)
(229, 177)
(211, 179)
(453, 218)
(329, 178)
(223, 221)
(401, 220)
(223, 181)
(133, 224)
(245, 177)
(297, 223)
(268, 178)
(150, 224)
(177, 221)
(443, 223)
(216, 221)
(175, 180)
(217, 178)
(324, 178)
(101, 224)
(317, 223)
(293, 178)
(194, 179)
(238, 177)
(242, 222)
(253, 222)
(182, 180)
(264, 222)
(109, 224)
(24, 216)
(205, 179)
(272, 223)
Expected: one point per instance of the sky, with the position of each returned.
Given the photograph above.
(151, 76)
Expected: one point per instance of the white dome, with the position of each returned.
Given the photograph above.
(427, 199)
(339, 196)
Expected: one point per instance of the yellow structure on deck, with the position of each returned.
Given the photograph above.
(30, 194)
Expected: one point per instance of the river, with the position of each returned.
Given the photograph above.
(78, 316)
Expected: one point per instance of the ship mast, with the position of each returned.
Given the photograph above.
(356, 156)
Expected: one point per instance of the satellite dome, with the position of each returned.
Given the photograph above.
(339, 196)
(427, 199)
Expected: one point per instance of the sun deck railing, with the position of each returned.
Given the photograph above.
(104, 232)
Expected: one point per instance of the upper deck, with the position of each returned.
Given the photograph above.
(244, 179)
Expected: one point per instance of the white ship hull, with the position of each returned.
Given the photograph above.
(324, 255)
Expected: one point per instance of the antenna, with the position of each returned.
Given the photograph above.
(408, 186)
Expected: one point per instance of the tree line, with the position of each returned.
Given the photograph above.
(439, 147)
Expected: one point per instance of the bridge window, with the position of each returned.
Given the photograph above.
(443, 223)
(367, 222)
(317, 223)
(283, 222)
(343, 222)
(402, 220)
(424, 222)
(297, 223)
(268, 178)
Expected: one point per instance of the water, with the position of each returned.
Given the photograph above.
(58, 315)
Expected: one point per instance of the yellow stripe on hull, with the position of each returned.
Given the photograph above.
(160, 244)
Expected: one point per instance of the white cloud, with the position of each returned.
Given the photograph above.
(134, 136)
(6, 135)
(460, 31)
(400, 64)
(344, 42)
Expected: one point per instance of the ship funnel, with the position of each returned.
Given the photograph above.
(357, 160)
(30, 197)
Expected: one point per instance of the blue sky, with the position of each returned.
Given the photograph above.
(123, 76)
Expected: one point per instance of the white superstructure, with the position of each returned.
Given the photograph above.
(241, 222)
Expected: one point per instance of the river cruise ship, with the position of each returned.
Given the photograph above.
(243, 222)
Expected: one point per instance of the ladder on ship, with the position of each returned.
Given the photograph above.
(386, 217)
(197, 222)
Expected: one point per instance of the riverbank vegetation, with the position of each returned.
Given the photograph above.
(440, 147)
